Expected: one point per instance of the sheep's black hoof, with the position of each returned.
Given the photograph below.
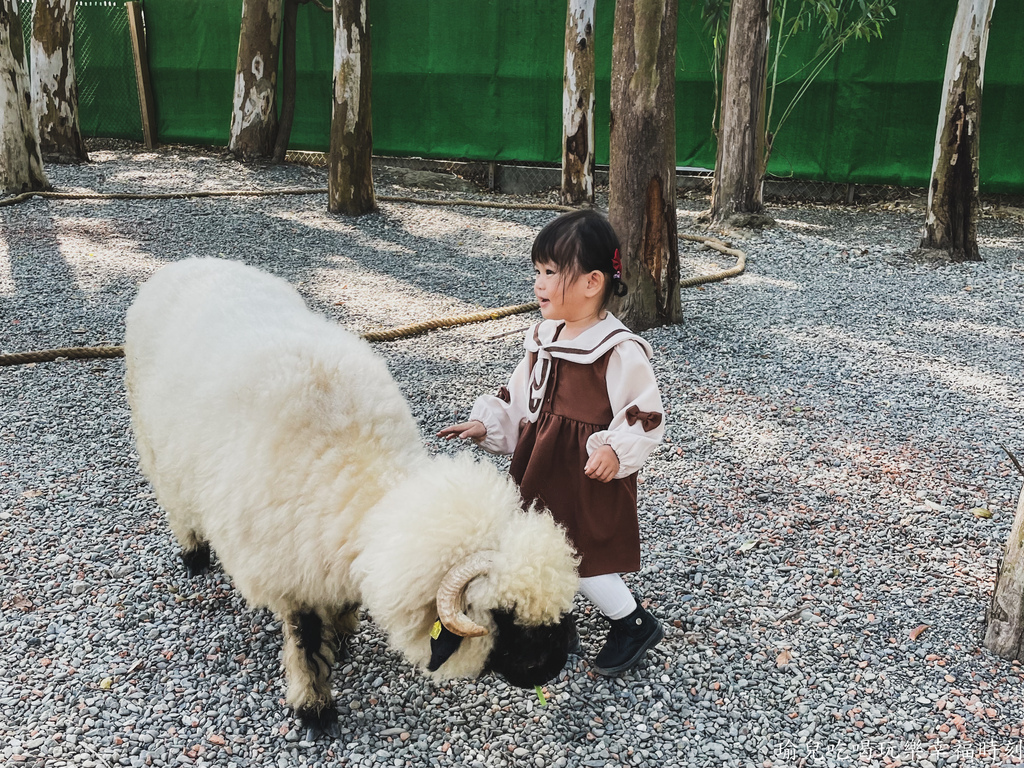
(320, 723)
(573, 645)
(341, 654)
(197, 561)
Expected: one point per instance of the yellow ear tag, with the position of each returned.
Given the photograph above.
(435, 631)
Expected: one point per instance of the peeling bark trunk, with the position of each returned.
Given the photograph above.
(254, 115)
(642, 170)
(952, 219)
(736, 192)
(54, 84)
(1004, 634)
(284, 128)
(349, 178)
(21, 162)
(578, 104)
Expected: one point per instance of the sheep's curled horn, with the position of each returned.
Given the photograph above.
(451, 589)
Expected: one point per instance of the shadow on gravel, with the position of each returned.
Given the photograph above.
(76, 265)
(452, 255)
(41, 282)
(297, 239)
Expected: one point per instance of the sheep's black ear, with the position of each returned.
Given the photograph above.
(443, 643)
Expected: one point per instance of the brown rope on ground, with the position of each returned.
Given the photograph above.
(160, 195)
(65, 353)
(478, 203)
(718, 245)
(447, 322)
(268, 193)
(401, 332)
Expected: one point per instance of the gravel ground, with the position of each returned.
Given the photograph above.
(835, 415)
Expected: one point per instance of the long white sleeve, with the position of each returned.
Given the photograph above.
(501, 418)
(639, 421)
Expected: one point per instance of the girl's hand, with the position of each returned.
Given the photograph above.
(603, 464)
(467, 430)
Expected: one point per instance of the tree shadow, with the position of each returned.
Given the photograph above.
(377, 271)
(38, 285)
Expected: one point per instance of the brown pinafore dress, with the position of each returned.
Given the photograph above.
(600, 518)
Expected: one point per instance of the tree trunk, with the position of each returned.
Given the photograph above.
(952, 219)
(21, 162)
(254, 116)
(54, 85)
(349, 178)
(642, 169)
(736, 193)
(284, 128)
(578, 104)
(1004, 634)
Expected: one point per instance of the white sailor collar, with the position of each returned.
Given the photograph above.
(589, 346)
(586, 348)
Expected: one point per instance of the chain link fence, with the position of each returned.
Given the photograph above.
(545, 178)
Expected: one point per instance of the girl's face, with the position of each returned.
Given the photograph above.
(562, 297)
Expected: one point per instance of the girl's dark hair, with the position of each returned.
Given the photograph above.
(578, 243)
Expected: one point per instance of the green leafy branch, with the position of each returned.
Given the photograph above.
(840, 21)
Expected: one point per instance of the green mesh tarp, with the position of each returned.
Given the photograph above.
(193, 46)
(482, 79)
(108, 99)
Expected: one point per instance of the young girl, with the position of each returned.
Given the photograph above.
(580, 416)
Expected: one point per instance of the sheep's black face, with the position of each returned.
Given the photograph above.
(528, 656)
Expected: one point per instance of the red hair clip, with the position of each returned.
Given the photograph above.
(617, 265)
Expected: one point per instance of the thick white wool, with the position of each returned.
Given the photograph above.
(283, 441)
(262, 427)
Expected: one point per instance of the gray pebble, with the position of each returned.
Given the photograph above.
(839, 405)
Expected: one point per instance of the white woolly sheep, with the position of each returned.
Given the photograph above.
(282, 442)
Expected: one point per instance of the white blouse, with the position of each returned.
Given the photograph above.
(638, 424)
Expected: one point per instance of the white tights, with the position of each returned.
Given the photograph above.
(610, 594)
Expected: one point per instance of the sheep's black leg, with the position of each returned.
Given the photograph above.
(197, 560)
(308, 660)
(195, 551)
(346, 622)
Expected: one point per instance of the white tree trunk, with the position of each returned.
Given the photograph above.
(349, 177)
(578, 104)
(254, 114)
(21, 162)
(54, 85)
(952, 218)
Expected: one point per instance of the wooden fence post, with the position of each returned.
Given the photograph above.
(147, 106)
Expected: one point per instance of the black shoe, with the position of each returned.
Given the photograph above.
(573, 646)
(628, 640)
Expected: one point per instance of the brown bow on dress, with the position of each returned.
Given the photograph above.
(649, 419)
